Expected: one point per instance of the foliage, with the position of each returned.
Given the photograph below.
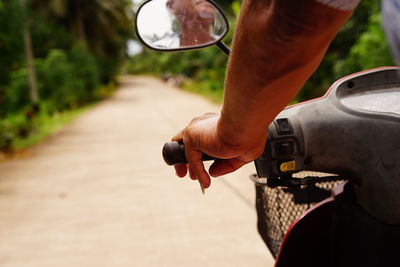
(17, 132)
(78, 47)
(10, 129)
(10, 40)
(368, 52)
(70, 72)
(57, 72)
(359, 45)
(103, 25)
(205, 68)
(85, 69)
(65, 81)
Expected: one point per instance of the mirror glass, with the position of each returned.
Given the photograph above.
(180, 24)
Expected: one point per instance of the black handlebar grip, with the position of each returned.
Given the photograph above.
(174, 153)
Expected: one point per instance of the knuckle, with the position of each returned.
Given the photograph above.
(191, 139)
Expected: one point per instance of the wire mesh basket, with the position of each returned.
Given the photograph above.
(279, 202)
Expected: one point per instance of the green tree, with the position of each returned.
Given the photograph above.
(104, 24)
(11, 45)
(371, 50)
(360, 45)
(29, 55)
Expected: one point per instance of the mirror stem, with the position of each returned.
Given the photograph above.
(224, 47)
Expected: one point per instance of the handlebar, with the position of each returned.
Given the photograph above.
(347, 137)
(174, 153)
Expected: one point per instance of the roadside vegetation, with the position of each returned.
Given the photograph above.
(360, 45)
(56, 56)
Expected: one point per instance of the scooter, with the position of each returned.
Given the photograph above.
(328, 182)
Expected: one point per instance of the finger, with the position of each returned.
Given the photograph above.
(180, 170)
(191, 174)
(178, 137)
(197, 166)
(224, 166)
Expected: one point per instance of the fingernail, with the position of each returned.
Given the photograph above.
(203, 190)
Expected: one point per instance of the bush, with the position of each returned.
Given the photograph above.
(59, 84)
(6, 136)
(360, 45)
(370, 51)
(85, 68)
(11, 128)
(17, 95)
(65, 81)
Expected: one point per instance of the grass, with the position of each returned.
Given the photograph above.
(45, 125)
(18, 133)
(211, 92)
(215, 95)
(205, 89)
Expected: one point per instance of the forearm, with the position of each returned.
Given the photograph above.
(276, 48)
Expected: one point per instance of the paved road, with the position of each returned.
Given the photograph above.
(98, 194)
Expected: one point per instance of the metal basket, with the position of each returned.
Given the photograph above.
(279, 202)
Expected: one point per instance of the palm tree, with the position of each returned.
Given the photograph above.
(33, 92)
(103, 25)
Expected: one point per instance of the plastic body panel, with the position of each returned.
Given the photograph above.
(361, 145)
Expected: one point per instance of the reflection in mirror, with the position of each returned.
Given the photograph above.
(175, 24)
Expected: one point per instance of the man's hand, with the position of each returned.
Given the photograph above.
(202, 135)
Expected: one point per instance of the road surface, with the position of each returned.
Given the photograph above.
(97, 193)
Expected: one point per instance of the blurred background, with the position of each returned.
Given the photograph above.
(58, 56)
(97, 193)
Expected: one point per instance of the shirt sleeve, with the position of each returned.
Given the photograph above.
(345, 5)
(391, 23)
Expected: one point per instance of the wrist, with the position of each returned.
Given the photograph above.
(237, 134)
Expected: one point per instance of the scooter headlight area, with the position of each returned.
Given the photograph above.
(352, 133)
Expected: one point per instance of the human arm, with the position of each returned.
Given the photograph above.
(278, 44)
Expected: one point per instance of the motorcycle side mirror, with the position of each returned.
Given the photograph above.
(171, 25)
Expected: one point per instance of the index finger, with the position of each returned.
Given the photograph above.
(178, 137)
